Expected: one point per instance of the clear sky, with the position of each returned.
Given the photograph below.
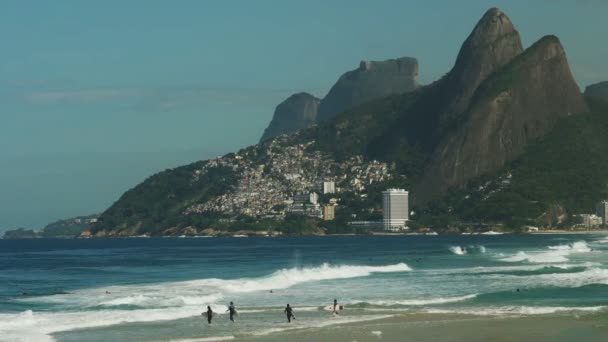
(97, 95)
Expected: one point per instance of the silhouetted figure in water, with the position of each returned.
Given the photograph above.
(24, 293)
(209, 314)
(289, 313)
(517, 290)
(336, 307)
(232, 311)
(108, 292)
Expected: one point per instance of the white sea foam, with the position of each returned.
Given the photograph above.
(518, 310)
(511, 268)
(418, 302)
(588, 277)
(458, 250)
(324, 323)
(207, 339)
(556, 254)
(603, 240)
(286, 278)
(30, 326)
(158, 301)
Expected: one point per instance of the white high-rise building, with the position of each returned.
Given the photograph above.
(602, 211)
(395, 205)
(329, 187)
(313, 198)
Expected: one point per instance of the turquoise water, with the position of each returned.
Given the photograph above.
(155, 289)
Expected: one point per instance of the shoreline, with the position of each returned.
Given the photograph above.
(542, 232)
(423, 327)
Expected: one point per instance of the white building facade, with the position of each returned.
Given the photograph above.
(329, 187)
(395, 206)
(602, 211)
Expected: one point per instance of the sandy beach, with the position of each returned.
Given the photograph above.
(451, 328)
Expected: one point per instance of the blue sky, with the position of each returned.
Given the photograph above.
(97, 95)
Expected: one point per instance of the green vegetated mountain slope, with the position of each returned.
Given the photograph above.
(560, 174)
(158, 202)
(486, 114)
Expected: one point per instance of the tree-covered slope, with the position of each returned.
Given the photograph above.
(158, 203)
(560, 174)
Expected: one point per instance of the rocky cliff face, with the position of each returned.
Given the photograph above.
(296, 112)
(373, 79)
(493, 43)
(517, 104)
(598, 90)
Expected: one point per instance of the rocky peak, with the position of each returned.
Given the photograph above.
(373, 79)
(493, 43)
(516, 105)
(296, 112)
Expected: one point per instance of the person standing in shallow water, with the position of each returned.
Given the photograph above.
(209, 314)
(232, 311)
(336, 308)
(289, 313)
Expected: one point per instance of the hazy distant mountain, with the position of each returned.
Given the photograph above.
(372, 80)
(296, 112)
(66, 228)
(598, 90)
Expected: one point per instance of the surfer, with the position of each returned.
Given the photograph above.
(336, 308)
(289, 313)
(232, 311)
(209, 314)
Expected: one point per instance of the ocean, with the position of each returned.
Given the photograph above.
(155, 289)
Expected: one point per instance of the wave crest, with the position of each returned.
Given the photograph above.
(286, 278)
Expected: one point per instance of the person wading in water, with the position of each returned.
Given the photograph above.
(289, 313)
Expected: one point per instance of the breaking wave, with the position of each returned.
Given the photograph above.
(519, 310)
(286, 278)
(556, 254)
(417, 302)
(458, 250)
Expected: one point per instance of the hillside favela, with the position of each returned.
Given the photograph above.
(323, 171)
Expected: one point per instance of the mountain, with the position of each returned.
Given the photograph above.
(492, 115)
(20, 233)
(372, 80)
(559, 175)
(296, 112)
(66, 228)
(598, 90)
(516, 105)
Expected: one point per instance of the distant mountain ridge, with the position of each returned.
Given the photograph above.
(66, 228)
(296, 112)
(598, 90)
(488, 112)
(372, 80)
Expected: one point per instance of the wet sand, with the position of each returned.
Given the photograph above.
(452, 328)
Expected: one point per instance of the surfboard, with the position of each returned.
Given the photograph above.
(331, 308)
